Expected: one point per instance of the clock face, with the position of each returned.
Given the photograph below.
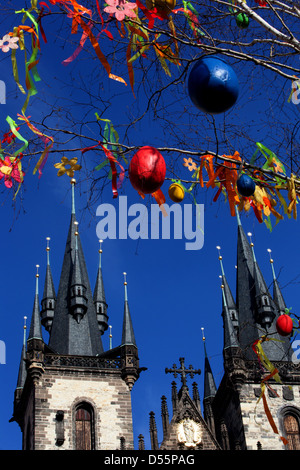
(189, 433)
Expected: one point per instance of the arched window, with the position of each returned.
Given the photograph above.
(84, 427)
(291, 426)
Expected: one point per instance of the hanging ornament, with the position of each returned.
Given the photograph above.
(213, 85)
(147, 170)
(245, 185)
(284, 325)
(176, 192)
(242, 20)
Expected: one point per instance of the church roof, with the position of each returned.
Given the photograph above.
(68, 336)
(127, 330)
(35, 331)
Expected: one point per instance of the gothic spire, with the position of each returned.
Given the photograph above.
(99, 297)
(22, 368)
(127, 331)
(49, 296)
(74, 334)
(229, 307)
(264, 311)
(35, 331)
(210, 388)
(277, 294)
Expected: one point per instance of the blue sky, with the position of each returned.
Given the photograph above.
(172, 292)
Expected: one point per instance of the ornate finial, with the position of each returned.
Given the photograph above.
(220, 259)
(203, 337)
(125, 285)
(271, 262)
(76, 227)
(251, 244)
(270, 251)
(48, 249)
(100, 252)
(182, 371)
(250, 236)
(73, 182)
(24, 328)
(110, 337)
(37, 279)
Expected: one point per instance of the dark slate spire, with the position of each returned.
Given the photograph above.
(229, 306)
(277, 294)
(127, 331)
(67, 335)
(78, 299)
(35, 331)
(99, 297)
(49, 296)
(230, 338)
(264, 307)
(22, 368)
(210, 391)
(249, 331)
(210, 388)
(251, 288)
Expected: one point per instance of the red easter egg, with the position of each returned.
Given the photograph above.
(147, 170)
(284, 325)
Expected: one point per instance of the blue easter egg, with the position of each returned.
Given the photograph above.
(245, 185)
(213, 85)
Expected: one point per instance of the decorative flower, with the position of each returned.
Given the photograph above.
(120, 8)
(9, 136)
(71, 164)
(11, 43)
(190, 164)
(277, 166)
(10, 171)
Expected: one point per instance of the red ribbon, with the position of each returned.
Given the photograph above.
(112, 161)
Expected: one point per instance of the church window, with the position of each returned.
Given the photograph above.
(291, 426)
(265, 300)
(84, 427)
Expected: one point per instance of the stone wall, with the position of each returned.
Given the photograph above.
(62, 389)
(256, 424)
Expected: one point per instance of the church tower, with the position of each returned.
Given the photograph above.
(71, 394)
(257, 404)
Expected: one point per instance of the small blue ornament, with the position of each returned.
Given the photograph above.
(213, 85)
(245, 185)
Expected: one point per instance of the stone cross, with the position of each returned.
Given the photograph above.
(183, 371)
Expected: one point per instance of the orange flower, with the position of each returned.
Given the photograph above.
(190, 164)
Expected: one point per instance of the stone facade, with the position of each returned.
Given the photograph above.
(62, 389)
(256, 424)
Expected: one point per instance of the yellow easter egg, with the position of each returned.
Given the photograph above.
(176, 192)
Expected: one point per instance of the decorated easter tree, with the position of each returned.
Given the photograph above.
(207, 76)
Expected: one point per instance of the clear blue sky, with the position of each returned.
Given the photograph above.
(172, 292)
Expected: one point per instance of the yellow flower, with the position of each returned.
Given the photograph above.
(71, 164)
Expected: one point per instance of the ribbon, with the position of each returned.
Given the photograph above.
(13, 129)
(112, 160)
(263, 359)
(48, 141)
(160, 199)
